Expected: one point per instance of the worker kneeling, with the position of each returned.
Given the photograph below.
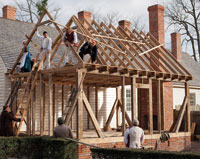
(89, 48)
(61, 130)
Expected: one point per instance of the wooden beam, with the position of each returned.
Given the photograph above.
(79, 86)
(63, 93)
(44, 107)
(133, 99)
(123, 104)
(150, 108)
(50, 106)
(54, 105)
(33, 111)
(162, 105)
(96, 102)
(92, 116)
(187, 94)
(159, 106)
(88, 116)
(41, 104)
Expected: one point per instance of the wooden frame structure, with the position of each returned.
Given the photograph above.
(124, 58)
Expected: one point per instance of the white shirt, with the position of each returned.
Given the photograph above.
(136, 137)
(46, 43)
(126, 136)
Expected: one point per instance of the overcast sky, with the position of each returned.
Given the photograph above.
(126, 8)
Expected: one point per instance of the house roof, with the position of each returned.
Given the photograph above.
(193, 67)
(12, 34)
(131, 52)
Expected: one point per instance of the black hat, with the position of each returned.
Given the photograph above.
(44, 32)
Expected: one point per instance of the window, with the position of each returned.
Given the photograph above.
(128, 99)
(192, 99)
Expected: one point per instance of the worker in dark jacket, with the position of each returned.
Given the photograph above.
(6, 128)
(89, 48)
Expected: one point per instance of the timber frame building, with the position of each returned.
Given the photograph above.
(125, 57)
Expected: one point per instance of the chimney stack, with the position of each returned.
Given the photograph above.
(125, 24)
(9, 12)
(176, 45)
(156, 22)
(85, 15)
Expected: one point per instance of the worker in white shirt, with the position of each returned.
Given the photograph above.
(45, 48)
(136, 135)
(69, 36)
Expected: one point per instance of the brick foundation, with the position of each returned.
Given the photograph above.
(175, 144)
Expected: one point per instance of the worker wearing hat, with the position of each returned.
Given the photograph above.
(89, 48)
(62, 130)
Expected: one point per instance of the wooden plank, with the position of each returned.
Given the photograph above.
(150, 108)
(79, 86)
(41, 104)
(54, 105)
(96, 102)
(50, 106)
(180, 115)
(27, 42)
(123, 104)
(33, 111)
(159, 106)
(133, 99)
(55, 50)
(88, 116)
(44, 107)
(187, 94)
(63, 102)
(162, 105)
(92, 116)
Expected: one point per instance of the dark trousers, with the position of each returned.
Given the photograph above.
(93, 55)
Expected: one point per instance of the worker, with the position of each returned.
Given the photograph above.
(136, 135)
(127, 137)
(89, 48)
(25, 61)
(61, 130)
(45, 48)
(69, 36)
(6, 119)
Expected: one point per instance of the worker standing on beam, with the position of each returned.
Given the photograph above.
(69, 36)
(45, 48)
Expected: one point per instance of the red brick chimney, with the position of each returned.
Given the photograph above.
(176, 45)
(85, 15)
(9, 12)
(125, 24)
(156, 22)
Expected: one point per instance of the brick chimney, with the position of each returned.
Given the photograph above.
(125, 24)
(156, 22)
(176, 45)
(9, 12)
(85, 15)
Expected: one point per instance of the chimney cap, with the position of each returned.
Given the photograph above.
(9, 6)
(156, 6)
(84, 13)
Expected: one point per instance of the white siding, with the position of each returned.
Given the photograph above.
(3, 70)
(179, 94)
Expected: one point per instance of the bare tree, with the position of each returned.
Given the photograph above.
(184, 16)
(30, 10)
(137, 24)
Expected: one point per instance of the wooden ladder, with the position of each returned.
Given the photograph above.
(28, 90)
(13, 92)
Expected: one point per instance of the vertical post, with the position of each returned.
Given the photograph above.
(159, 106)
(33, 111)
(79, 87)
(63, 98)
(187, 94)
(54, 104)
(44, 107)
(96, 102)
(123, 104)
(41, 105)
(50, 106)
(150, 112)
(118, 108)
(162, 106)
(133, 99)
(88, 116)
